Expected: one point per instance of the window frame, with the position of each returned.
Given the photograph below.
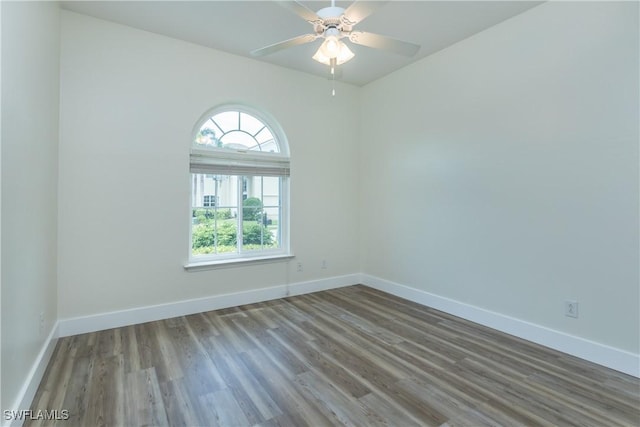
(243, 160)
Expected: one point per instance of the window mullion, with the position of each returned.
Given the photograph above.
(281, 195)
(239, 236)
(262, 213)
(215, 217)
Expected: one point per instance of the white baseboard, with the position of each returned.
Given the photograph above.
(30, 386)
(602, 354)
(115, 319)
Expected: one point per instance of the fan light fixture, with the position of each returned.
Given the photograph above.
(333, 48)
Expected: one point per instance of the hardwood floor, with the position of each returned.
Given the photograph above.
(350, 356)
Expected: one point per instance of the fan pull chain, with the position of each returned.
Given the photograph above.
(333, 76)
(333, 81)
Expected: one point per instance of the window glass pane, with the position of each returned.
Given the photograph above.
(272, 206)
(227, 191)
(214, 214)
(238, 140)
(264, 136)
(227, 220)
(267, 142)
(227, 121)
(209, 135)
(203, 231)
(250, 124)
(261, 213)
(270, 147)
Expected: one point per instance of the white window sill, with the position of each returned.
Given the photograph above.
(236, 262)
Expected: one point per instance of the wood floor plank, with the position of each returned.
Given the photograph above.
(286, 360)
(130, 349)
(352, 356)
(445, 403)
(179, 404)
(106, 392)
(251, 396)
(195, 364)
(539, 408)
(224, 410)
(318, 362)
(301, 411)
(143, 399)
(164, 354)
(341, 408)
(390, 415)
(75, 398)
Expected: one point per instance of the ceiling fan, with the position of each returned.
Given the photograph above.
(334, 23)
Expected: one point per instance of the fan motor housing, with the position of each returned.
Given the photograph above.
(328, 13)
(333, 23)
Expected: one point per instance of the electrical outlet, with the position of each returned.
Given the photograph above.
(571, 308)
(299, 267)
(323, 265)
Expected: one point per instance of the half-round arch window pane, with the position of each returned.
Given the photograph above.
(236, 130)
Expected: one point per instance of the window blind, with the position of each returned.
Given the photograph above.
(250, 166)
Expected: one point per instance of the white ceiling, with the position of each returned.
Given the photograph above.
(239, 27)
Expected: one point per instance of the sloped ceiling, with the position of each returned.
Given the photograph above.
(239, 27)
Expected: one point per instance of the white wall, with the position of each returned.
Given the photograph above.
(502, 172)
(30, 76)
(129, 102)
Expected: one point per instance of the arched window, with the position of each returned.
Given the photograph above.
(239, 187)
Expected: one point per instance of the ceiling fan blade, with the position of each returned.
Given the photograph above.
(360, 9)
(267, 50)
(299, 9)
(377, 41)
